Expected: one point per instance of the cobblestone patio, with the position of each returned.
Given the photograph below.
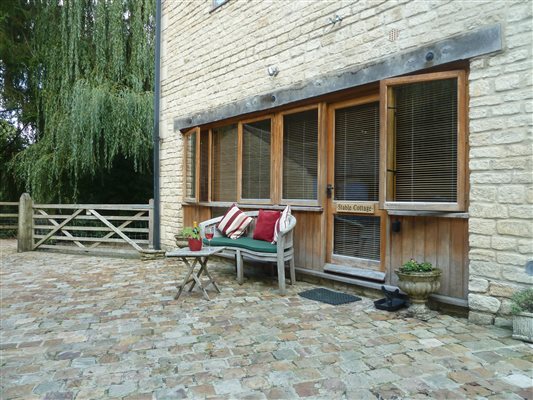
(92, 327)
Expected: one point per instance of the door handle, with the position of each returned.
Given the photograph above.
(329, 190)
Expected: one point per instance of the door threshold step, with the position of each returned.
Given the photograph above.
(355, 272)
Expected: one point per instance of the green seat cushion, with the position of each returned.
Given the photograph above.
(244, 243)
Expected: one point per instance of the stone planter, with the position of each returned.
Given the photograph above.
(523, 326)
(418, 286)
(181, 241)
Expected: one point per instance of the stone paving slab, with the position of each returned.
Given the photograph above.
(80, 327)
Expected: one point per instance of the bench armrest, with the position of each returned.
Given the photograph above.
(285, 237)
(210, 222)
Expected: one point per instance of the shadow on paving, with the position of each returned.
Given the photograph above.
(92, 327)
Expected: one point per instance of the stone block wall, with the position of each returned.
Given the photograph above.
(501, 172)
(212, 58)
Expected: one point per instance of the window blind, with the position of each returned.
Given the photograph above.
(357, 153)
(426, 141)
(190, 168)
(256, 160)
(224, 165)
(204, 166)
(300, 155)
(357, 236)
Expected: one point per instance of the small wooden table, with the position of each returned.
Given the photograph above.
(200, 257)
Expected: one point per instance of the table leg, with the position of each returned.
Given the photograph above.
(187, 276)
(211, 280)
(202, 265)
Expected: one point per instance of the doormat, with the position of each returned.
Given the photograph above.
(329, 296)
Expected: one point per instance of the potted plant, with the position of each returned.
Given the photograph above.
(522, 310)
(418, 281)
(193, 237)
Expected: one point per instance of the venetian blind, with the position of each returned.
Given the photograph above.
(256, 160)
(300, 155)
(224, 165)
(426, 141)
(357, 153)
(204, 165)
(190, 168)
(357, 236)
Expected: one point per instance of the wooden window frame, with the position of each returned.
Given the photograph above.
(240, 131)
(387, 155)
(321, 154)
(186, 135)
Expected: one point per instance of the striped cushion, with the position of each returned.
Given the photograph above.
(234, 223)
(282, 223)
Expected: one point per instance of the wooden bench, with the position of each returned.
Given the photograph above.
(257, 250)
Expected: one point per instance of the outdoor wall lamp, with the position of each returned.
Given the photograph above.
(335, 19)
(273, 70)
(396, 226)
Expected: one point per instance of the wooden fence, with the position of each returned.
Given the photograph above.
(8, 217)
(113, 229)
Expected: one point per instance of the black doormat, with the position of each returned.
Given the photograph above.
(329, 296)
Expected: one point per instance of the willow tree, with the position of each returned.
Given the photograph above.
(91, 74)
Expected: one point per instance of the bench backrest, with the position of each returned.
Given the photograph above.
(251, 227)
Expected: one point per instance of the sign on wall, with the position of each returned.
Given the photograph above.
(351, 207)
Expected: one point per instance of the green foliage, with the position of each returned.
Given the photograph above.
(190, 232)
(413, 266)
(88, 72)
(11, 143)
(522, 301)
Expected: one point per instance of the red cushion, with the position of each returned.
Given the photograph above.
(264, 227)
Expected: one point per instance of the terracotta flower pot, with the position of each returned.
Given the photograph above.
(418, 286)
(195, 244)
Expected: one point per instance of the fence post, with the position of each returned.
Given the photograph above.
(25, 230)
(151, 224)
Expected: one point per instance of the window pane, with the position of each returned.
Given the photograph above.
(426, 141)
(357, 236)
(256, 160)
(204, 165)
(357, 153)
(190, 168)
(300, 155)
(224, 172)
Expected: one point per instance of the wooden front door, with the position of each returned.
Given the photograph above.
(355, 234)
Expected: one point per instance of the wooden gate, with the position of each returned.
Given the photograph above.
(8, 217)
(114, 229)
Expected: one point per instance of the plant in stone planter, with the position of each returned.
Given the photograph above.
(192, 234)
(418, 280)
(522, 309)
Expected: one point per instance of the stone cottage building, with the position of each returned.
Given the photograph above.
(394, 129)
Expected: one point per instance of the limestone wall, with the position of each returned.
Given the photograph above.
(214, 58)
(501, 177)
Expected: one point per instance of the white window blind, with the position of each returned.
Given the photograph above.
(357, 236)
(256, 142)
(300, 155)
(357, 153)
(204, 166)
(224, 164)
(426, 141)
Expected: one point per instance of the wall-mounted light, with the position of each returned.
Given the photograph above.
(396, 226)
(336, 19)
(273, 70)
